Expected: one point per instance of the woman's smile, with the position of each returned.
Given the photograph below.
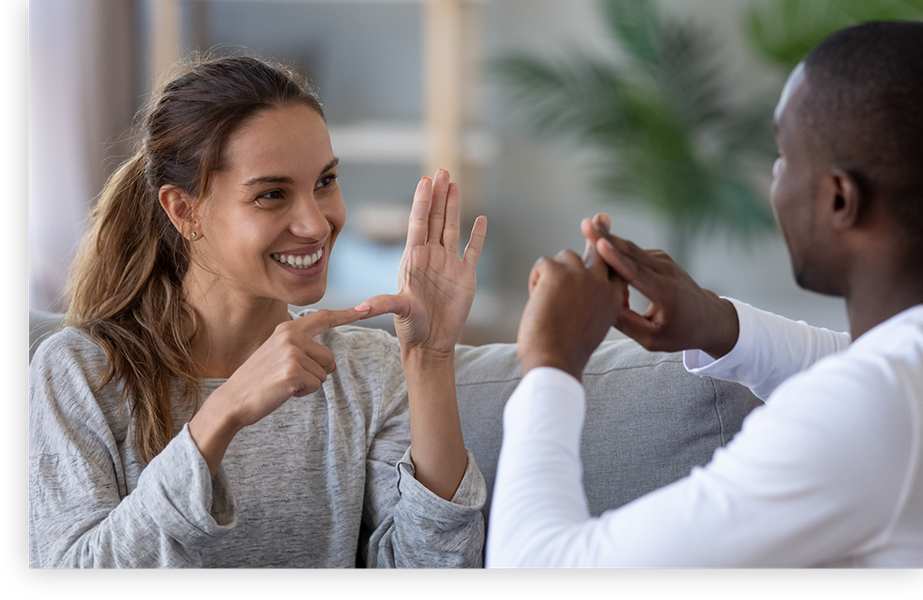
(300, 261)
(274, 211)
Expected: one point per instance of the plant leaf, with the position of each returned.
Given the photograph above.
(635, 24)
(784, 31)
(664, 134)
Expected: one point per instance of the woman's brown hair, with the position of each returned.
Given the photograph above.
(125, 287)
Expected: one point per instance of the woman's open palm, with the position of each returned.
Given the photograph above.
(435, 286)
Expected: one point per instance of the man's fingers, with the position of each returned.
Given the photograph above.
(635, 326)
(628, 260)
(542, 270)
(569, 257)
(594, 262)
(594, 232)
(589, 231)
(595, 228)
(623, 264)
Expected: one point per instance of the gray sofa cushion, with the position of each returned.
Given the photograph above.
(41, 325)
(648, 420)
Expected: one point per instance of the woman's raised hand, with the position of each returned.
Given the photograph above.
(435, 286)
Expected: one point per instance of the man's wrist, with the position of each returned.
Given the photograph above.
(534, 360)
(726, 327)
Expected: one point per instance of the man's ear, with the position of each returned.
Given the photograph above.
(178, 206)
(846, 201)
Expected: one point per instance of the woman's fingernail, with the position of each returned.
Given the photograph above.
(363, 308)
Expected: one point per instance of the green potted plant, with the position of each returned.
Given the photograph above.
(783, 31)
(666, 134)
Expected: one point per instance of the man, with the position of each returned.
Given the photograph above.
(829, 472)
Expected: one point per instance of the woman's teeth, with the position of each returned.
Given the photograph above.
(299, 261)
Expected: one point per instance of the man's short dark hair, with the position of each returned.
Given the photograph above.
(865, 110)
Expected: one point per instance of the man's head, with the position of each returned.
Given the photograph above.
(850, 134)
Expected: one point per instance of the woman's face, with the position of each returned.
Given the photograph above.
(273, 210)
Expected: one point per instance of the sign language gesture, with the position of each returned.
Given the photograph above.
(290, 363)
(436, 287)
(682, 315)
(572, 304)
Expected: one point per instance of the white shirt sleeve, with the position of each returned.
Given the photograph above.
(539, 470)
(769, 350)
(783, 493)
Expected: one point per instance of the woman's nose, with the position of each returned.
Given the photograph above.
(308, 221)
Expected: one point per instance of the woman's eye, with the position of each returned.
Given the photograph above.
(273, 195)
(325, 181)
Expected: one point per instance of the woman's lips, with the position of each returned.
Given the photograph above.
(299, 261)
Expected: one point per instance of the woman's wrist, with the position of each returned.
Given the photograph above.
(212, 429)
(437, 447)
(427, 358)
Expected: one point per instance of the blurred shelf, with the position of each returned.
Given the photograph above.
(351, 1)
(450, 62)
(395, 142)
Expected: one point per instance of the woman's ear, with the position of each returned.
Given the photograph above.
(178, 206)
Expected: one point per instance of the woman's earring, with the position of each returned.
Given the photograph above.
(192, 235)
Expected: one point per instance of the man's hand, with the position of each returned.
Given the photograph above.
(571, 307)
(682, 315)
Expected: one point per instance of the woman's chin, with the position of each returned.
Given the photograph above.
(306, 298)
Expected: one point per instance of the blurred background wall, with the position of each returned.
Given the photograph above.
(92, 63)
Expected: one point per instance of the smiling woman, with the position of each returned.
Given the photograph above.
(274, 194)
(187, 418)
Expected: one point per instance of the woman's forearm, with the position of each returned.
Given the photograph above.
(437, 447)
(212, 430)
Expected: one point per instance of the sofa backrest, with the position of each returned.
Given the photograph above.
(648, 420)
(41, 325)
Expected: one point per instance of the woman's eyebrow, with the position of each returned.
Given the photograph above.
(253, 181)
(282, 179)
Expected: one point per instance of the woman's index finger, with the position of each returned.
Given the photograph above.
(317, 322)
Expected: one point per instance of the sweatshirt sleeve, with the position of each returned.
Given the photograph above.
(409, 525)
(769, 350)
(82, 512)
